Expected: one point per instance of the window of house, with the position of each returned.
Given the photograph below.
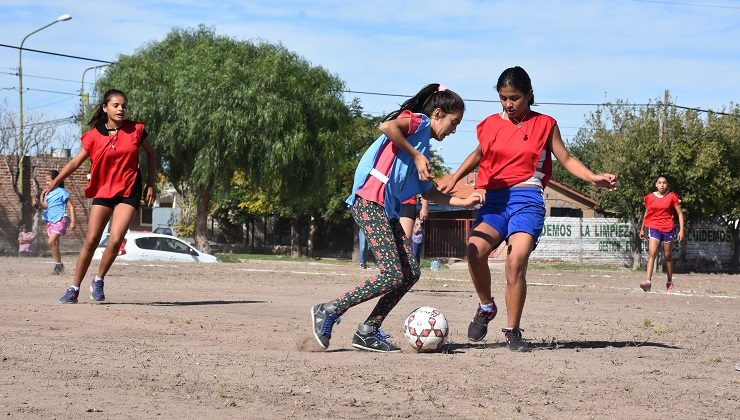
(565, 212)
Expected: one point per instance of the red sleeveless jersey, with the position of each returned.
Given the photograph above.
(114, 159)
(511, 154)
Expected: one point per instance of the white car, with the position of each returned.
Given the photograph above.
(147, 246)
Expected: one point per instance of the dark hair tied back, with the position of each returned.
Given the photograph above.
(429, 98)
(516, 78)
(99, 117)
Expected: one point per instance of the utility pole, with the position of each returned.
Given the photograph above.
(664, 117)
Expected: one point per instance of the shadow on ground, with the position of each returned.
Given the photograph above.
(186, 303)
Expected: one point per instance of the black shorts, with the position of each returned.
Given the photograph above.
(133, 200)
(408, 210)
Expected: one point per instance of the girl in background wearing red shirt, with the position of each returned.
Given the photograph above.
(659, 209)
(112, 144)
(515, 166)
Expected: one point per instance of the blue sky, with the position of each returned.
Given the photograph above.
(588, 51)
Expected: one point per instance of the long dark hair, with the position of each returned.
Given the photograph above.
(517, 78)
(429, 98)
(100, 117)
(53, 173)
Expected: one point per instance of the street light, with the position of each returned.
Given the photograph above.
(85, 100)
(21, 143)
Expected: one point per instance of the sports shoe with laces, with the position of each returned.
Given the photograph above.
(58, 269)
(669, 287)
(96, 291)
(323, 317)
(478, 327)
(514, 340)
(370, 338)
(70, 296)
(645, 286)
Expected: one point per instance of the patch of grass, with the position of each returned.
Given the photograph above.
(647, 323)
(661, 328)
(560, 266)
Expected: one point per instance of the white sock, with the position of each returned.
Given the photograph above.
(488, 307)
(97, 278)
(76, 288)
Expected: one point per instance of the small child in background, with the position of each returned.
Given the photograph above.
(25, 239)
(59, 216)
(417, 239)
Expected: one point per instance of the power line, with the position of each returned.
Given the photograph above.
(43, 77)
(552, 103)
(57, 54)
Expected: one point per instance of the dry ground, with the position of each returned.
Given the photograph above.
(232, 341)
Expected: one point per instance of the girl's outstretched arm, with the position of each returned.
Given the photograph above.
(471, 162)
(68, 169)
(575, 167)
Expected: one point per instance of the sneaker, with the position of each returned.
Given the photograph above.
(669, 287)
(478, 327)
(70, 296)
(370, 338)
(323, 317)
(96, 291)
(58, 269)
(514, 340)
(645, 286)
(363, 266)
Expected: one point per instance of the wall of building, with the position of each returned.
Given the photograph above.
(10, 210)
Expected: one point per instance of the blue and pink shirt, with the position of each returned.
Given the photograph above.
(387, 175)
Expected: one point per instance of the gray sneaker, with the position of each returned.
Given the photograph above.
(323, 318)
(96, 291)
(58, 269)
(370, 338)
(514, 340)
(478, 327)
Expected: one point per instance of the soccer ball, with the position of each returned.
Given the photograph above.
(426, 329)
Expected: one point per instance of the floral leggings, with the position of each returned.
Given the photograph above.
(399, 271)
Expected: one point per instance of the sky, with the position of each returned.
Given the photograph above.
(584, 52)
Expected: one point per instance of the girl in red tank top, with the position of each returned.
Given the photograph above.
(514, 166)
(660, 206)
(112, 144)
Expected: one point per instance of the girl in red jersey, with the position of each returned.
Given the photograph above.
(112, 144)
(514, 167)
(659, 209)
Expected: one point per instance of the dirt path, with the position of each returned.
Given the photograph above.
(232, 341)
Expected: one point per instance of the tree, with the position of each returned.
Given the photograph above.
(215, 105)
(38, 135)
(698, 153)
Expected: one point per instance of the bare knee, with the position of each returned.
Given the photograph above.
(475, 254)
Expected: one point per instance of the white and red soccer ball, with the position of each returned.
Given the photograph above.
(426, 329)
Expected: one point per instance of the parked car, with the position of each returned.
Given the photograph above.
(147, 246)
(164, 230)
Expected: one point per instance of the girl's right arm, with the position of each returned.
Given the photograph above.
(68, 169)
(395, 131)
(477, 197)
(642, 227)
(471, 162)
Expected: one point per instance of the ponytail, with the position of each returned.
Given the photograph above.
(100, 117)
(429, 98)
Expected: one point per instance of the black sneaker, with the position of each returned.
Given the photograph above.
(370, 338)
(323, 317)
(58, 269)
(514, 340)
(478, 327)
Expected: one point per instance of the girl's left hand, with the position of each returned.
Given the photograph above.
(680, 236)
(149, 195)
(607, 181)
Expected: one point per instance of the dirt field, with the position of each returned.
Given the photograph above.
(233, 341)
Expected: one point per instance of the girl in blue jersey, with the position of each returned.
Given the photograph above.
(393, 169)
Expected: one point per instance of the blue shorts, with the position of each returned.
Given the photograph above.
(513, 210)
(661, 236)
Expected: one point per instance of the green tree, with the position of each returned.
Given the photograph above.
(215, 105)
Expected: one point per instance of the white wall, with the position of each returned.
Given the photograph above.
(608, 241)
